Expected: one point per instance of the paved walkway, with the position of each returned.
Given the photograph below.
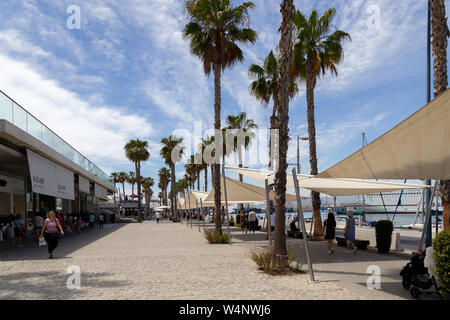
(172, 261)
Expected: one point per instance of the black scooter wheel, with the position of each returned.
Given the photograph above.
(415, 293)
(406, 284)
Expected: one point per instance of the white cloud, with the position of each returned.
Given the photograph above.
(97, 131)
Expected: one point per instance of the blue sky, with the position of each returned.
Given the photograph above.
(128, 73)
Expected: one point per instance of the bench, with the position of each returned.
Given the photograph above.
(295, 234)
(360, 244)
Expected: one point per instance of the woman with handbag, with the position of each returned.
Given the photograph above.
(50, 232)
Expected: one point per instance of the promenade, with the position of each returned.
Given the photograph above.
(172, 261)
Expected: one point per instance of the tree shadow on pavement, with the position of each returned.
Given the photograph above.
(68, 244)
(51, 285)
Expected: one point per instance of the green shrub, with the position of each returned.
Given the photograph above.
(441, 255)
(174, 219)
(214, 237)
(268, 261)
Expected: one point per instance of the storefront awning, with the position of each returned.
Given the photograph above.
(50, 178)
(331, 187)
(417, 148)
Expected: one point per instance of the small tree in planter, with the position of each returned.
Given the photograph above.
(441, 256)
(383, 231)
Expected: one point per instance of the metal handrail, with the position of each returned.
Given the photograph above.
(83, 161)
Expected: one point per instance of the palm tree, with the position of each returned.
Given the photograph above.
(440, 33)
(171, 152)
(207, 142)
(115, 177)
(282, 124)
(214, 29)
(122, 179)
(164, 180)
(131, 179)
(316, 51)
(160, 196)
(242, 125)
(265, 87)
(137, 152)
(147, 184)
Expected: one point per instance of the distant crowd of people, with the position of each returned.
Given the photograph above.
(50, 228)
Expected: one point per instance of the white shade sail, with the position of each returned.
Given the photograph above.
(332, 187)
(191, 203)
(240, 192)
(417, 148)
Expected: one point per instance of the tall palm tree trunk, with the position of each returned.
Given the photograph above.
(273, 120)
(123, 188)
(216, 166)
(173, 192)
(315, 196)
(287, 11)
(138, 181)
(440, 32)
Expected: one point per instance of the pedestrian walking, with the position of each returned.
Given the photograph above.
(349, 234)
(330, 230)
(157, 216)
(50, 232)
(91, 221)
(243, 221)
(253, 221)
(79, 223)
(19, 229)
(38, 224)
(101, 220)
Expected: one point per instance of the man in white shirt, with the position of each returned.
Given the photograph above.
(157, 216)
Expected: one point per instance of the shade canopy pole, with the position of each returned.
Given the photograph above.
(185, 208)
(190, 210)
(268, 212)
(198, 214)
(427, 218)
(418, 209)
(226, 202)
(203, 216)
(302, 219)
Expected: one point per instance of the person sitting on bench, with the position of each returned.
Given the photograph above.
(294, 227)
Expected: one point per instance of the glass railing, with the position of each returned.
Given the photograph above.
(18, 116)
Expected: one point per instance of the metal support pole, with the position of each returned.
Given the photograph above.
(226, 202)
(427, 218)
(190, 210)
(303, 229)
(428, 196)
(198, 214)
(437, 213)
(185, 209)
(203, 216)
(268, 212)
(418, 209)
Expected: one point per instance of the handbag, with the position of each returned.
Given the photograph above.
(42, 242)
